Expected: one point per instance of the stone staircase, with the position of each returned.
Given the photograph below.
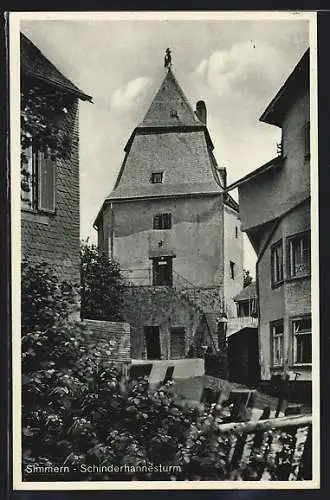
(206, 300)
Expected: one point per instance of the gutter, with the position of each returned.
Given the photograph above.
(275, 162)
(70, 90)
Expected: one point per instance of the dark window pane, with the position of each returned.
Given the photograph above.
(156, 178)
(304, 348)
(277, 330)
(300, 255)
(277, 263)
(162, 221)
(46, 181)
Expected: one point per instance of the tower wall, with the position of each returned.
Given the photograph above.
(233, 256)
(194, 241)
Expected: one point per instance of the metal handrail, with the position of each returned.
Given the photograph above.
(185, 280)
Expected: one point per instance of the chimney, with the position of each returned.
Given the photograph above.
(223, 176)
(201, 111)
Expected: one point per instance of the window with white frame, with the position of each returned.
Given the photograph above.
(299, 255)
(277, 342)
(277, 263)
(302, 340)
(38, 181)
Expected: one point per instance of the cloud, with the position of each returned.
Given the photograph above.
(201, 67)
(126, 96)
(247, 68)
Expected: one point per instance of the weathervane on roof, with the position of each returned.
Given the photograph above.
(167, 59)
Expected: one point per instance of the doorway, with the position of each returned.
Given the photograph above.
(178, 343)
(162, 271)
(151, 334)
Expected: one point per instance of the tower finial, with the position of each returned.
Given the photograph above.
(167, 59)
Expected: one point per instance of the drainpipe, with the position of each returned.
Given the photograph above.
(111, 229)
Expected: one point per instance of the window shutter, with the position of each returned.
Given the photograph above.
(157, 222)
(46, 181)
(307, 139)
(27, 179)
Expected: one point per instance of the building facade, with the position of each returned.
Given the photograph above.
(242, 339)
(50, 186)
(275, 211)
(167, 220)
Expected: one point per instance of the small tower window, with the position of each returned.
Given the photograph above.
(156, 178)
(236, 232)
(162, 221)
(232, 270)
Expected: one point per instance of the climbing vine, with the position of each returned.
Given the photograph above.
(43, 113)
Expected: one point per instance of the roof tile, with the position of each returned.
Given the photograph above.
(34, 63)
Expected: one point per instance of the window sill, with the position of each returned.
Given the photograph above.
(301, 366)
(277, 284)
(33, 216)
(276, 368)
(300, 277)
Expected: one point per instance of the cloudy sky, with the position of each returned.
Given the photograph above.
(235, 66)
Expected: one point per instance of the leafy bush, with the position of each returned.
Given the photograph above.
(79, 411)
(101, 285)
(45, 301)
(43, 110)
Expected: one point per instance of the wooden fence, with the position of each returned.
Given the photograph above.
(271, 449)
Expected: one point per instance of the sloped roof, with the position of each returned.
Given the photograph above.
(34, 63)
(274, 163)
(170, 107)
(298, 79)
(182, 156)
(170, 139)
(249, 292)
(159, 190)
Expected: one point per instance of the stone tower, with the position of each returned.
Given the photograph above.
(167, 220)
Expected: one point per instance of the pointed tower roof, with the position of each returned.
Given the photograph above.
(170, 107)
(173, 141)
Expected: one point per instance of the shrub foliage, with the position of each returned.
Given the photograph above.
(79, 412)
(101, 285)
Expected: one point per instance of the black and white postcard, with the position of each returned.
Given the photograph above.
(164, 208)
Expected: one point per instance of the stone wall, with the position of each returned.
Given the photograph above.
(166, 308)
(194, 241)
(54, 238)
(118, 336)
